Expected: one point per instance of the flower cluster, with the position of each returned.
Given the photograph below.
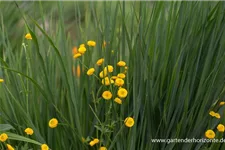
(220, 127)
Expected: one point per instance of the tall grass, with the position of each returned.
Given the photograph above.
(175, 57)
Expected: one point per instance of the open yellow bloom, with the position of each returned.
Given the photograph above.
(210, 134)
(119, 82)
(96, 140)
(121, 75)
(82, 50)
(91, 43)
(106, 81)
(3, 137)
(102, 74)
(90, 71)
(102, 148)
(217, 115)
(9, 147)
(107, 95)
(113, 77)
(121, 64)
(29, 131)
(100, 61)
(220, 128)
(44, 147)
(222, 103)
(129, 122)
(212, 113)
(1, 80)
(28, 36)
(53, 123)
(108, 68)
(77, 55)
(92, 143)
(117, 100)
(122, 93)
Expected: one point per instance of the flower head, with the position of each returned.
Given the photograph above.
(28, 36)
(9, 147)
(53, 123)
(102, 74)
(29, 131)
(118, 100)
(82, 50)
(78, 71)
(82, 45)
(122, 93)
(119, 82)
(121, 64)
(121, 75)
(106, 81)
(108, 68)
(3, 137)
(222, 103)
(77, 55)
(113, 77)
(212, 113)
(100, 61)
(1, 80)
(102, 148)
(96, 140)
(91, 43)
(220, 128)
(129, 122)
(90, 71)
(210, 134)
(44, 147)
(217, 115)
(107, 95)
(92, 143)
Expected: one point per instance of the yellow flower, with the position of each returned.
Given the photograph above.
(9, 147)
(96, 140)
(44, 147)
(114, 77)
(90, 71)
(91, 43)
(101, 75)
(77, 55)
(29, 131)
(82, 50)
(28, 36)
(106, 81)
(117, 100)
(210, 134)
(102, 148)
(220, 128)
(217, 115)
(1, 80)
(212, 113)
(121, 64)
(3, 137)
(53, 123)
(107, 95)
(82, 45)
(129, 122)
(109, 68)
(126, 68)
(122, 93)
(92, 143)
(100, 61)
(222, 103)
(119, 82)
(121, 75)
